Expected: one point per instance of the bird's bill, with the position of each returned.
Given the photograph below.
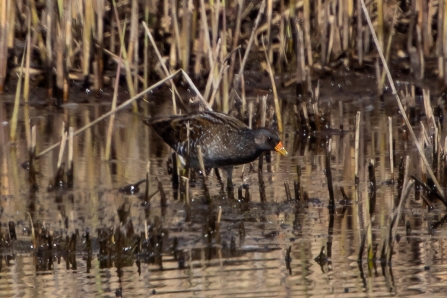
(280, 148)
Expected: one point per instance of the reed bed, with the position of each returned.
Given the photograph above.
(81, 41)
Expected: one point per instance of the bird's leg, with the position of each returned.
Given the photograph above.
(208, 171)
(219, 178)
(216, 171)
(229, 170)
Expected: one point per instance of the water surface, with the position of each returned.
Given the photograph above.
(183, 256)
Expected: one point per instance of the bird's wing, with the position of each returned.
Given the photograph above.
(202, 127)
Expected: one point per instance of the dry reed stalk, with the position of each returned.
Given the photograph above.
(345, 23)
(213, 71)
(100, 10)
(219, 217)
(243, 95)
(399, 103)
(439, 41)
(420, 60)
(87, 40)
(112, 118)
(4, 29)
(186, 34)
(390, 134)
(340, 108)
(36, 23)
(147, 190)
(68, 5)
(176, 51)
(411, 29)
(357, 145)
(329, 177)
(146, 68)
(203, 17)
(50, 21)
(380, 35)
(225, 79)
(306, 24)
(194, 20)
(62, 147)
(282, 42)
(444, 39)
(427, 107)
(33, 140)
(426, 29)
(291, 11)
(388, 47)
(201, 163)
(95, 72)
(134, 51)
(133, 30)
(424, 135)
(70, 171)
(146, 230)
(60, 56)
(199, 54)
(421, 162)
(186, 185)
(33, 232)
(28, 133)
(174, 104)
(301, 63)
(216, 83)
(15, 112)
(360, 33)
(324, 28)
(250, 114)
(215, 19)
(263, 110)
(237, 33)
(223, 54)
(372, 187)
(70, 148)
(305, 114)
(126, 58)
(136, 60)
(12, 24)
(275, 92)
(331, 23)
(269, 29)
(28, 61)
(112, 42)
(249, 44)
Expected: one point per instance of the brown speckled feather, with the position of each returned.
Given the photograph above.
(224, 140)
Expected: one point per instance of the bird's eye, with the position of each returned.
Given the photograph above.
(269, 138)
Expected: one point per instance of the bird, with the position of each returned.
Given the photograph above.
(225, 141)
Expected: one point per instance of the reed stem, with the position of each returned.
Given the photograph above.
(399, 103)
(15, 112)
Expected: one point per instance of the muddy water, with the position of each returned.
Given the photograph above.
(249, 257)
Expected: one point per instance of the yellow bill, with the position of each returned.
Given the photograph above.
(280, 148)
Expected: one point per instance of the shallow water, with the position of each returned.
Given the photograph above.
(250, 259)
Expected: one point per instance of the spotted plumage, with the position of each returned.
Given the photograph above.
(224, 140)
